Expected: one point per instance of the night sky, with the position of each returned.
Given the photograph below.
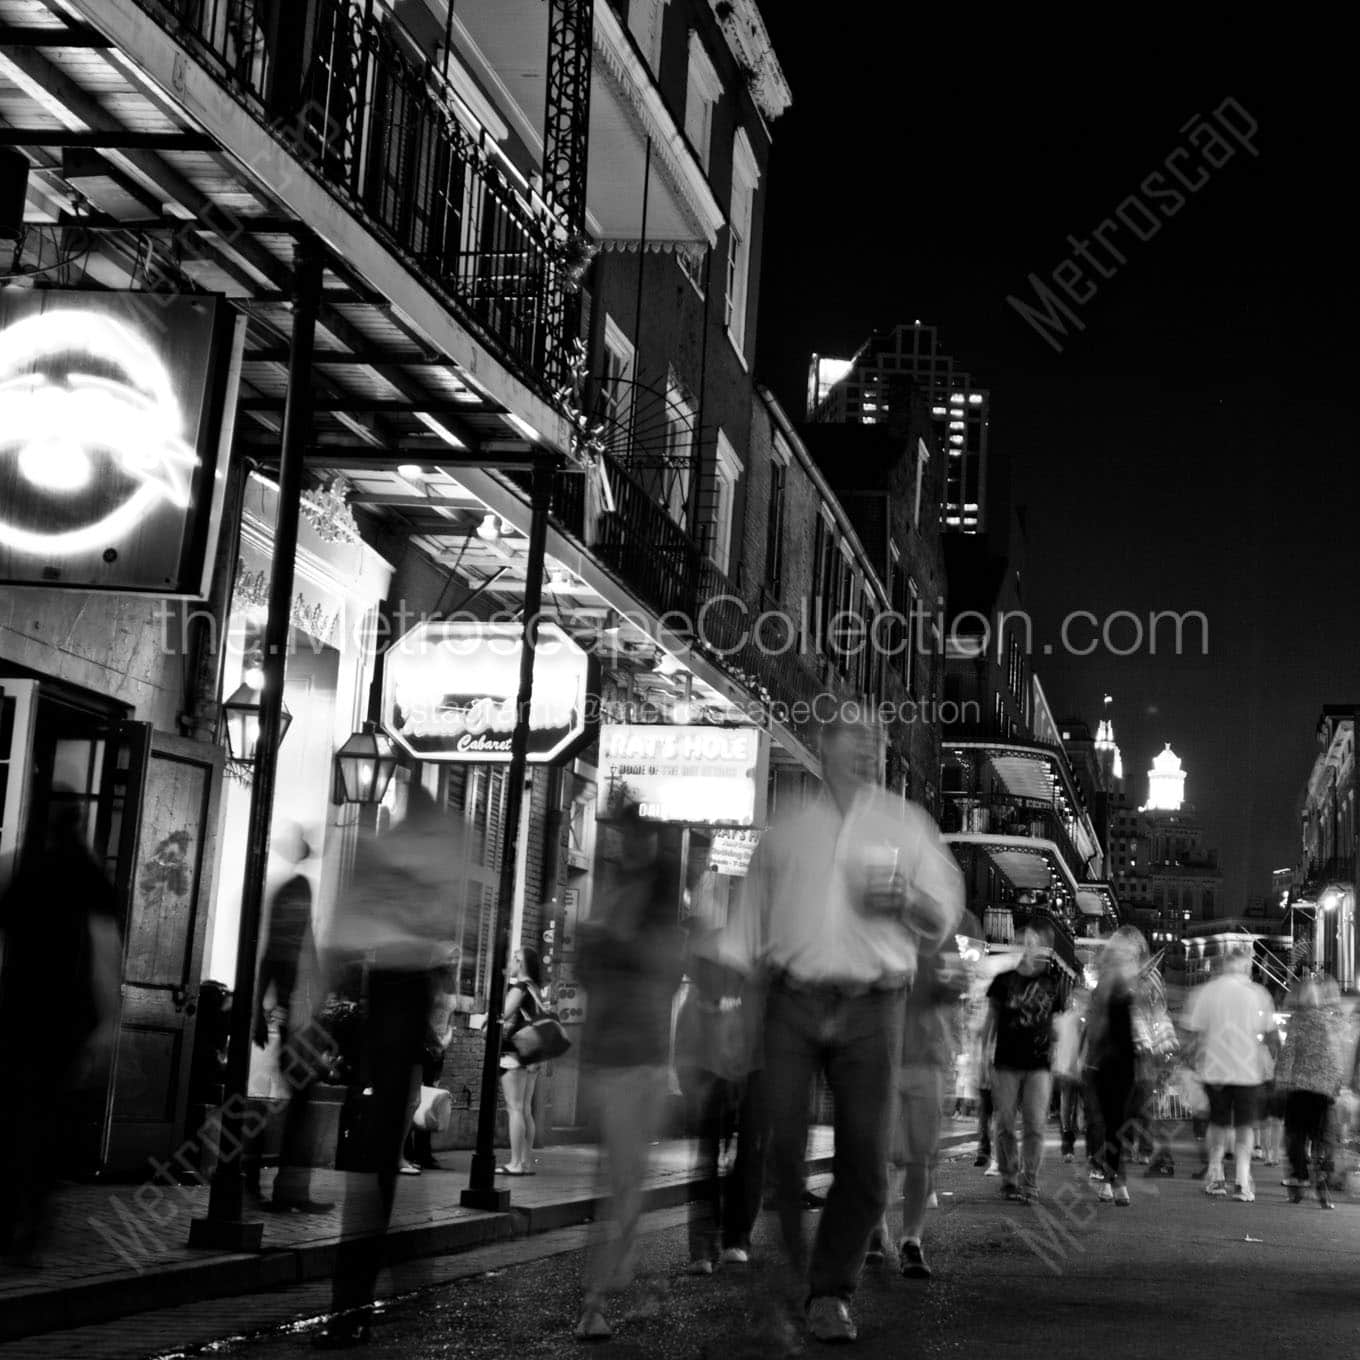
(1193, 448)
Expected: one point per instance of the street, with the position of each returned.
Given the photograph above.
(1174, 1273)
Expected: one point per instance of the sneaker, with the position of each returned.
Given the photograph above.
(1095, 1175)
(1105, 1192)
(736, 1256)
(829, 1320)
(592, 1326)
(1121, 1195)
(701, 1265)
(1217, 1188)
(992, 1169)
(1014, 1194)
(1069, 1157)
(913, 1265)
(1244, 1194)
(982, 1159)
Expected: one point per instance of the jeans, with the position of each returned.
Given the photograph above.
(1028, 1092)
(746, 1180)
(712, 1103)
(1306, 1120)
(985, 1113)
(854, 1041)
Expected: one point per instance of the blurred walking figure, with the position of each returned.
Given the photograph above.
(1229, 1017)
(59, 1000)
(395, 918)
(629, 962)
(1309, 1074)
(523, 1005)
(1020, 1030)
(1069, 1034)
(840, 897)
(288, 992)
(929, 1029)
(1112, 1055)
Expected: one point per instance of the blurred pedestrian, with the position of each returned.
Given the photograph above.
(1309, 1075)
(60, 974)
(1019, 1030)
(395, 917)
(1228, 1018)
(523, 1005)
(417, 1155)
(629, 958)
(840, 895)
(1112, 1055)
(1069, 1027)
(288, 994)
(927, 1059)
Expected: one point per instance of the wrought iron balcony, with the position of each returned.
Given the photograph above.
(1009, 815)
(375, 121)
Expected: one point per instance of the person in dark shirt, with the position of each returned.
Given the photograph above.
(1020, 1024)
(59, 1005)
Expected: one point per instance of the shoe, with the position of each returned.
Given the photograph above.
(592, 1325)
(829, 1320)
(1244, 1194)
(736, 1256)
(1014, 1194)
(701, 1265)
(1105, 1192)
(1324, 1196)
(1121, 1196)
(411, 1169)
(1069, 1157)
(992, 1169)
(913, 1265)
(1095, 1175)
(1257, 1155)
(812, 1200)
(873, 1258)
(429, 1164)
(1295, 1193)
(1218, 1189)
(933, 1202)
(500, 1171)
(298, 1206)
(342, 1334)
(981, 1159)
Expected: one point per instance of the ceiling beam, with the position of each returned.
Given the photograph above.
(406, 406)
(25, 35)
(121, 140)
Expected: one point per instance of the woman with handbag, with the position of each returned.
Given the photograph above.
(523, 1005)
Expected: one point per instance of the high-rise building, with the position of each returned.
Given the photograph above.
(874, 386)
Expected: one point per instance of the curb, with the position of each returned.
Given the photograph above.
(99, 1301)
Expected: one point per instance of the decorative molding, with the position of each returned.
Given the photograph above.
(745, 32)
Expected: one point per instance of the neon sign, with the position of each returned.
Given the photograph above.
(59, 421)
(114, 409)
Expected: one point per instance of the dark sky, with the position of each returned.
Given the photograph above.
(1193, 448)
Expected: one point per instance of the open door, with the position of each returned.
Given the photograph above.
(18, 713)
(167, 883)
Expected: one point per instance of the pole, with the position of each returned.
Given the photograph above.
(481, 1192)
(223, 1228)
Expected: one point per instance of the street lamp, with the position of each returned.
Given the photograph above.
(364, 766)
(241, 718)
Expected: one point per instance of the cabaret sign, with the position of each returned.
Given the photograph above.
(114, 408)
(449, 693)
(696, 775)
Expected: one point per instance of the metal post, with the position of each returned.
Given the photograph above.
(481, 1192)
(223, 1228)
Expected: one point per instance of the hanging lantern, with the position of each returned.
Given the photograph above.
(241, 719)
(364, 766)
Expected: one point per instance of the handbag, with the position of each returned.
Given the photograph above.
(434, 1110)
(540, 1040)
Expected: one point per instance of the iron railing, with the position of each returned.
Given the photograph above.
(377, 123)
(1009, 815)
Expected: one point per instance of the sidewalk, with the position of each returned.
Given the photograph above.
(118, 1250)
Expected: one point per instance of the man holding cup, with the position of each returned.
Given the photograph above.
(841, 896)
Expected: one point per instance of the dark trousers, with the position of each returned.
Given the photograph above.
(1069, 1112)
(985, 1122)
(1095, 1122)
(713, 1104)
(854, 1042)
(1116, 1093)
(1307, 1115)
(397, 1013)
(742, 1203)
(36, 1118)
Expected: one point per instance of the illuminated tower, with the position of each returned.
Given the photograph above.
(1107, 753)
(1166, 783)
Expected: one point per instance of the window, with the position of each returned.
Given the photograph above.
(774, 521)
(616, 382)
(477, 793)
(745, 177)
(702, 93)
(726, 473)
(645, 24)
(821, 580)
(922, 459)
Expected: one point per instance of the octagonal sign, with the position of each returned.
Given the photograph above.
(449, 693)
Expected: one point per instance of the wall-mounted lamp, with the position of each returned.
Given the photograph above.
(241, 721)
(364, 767)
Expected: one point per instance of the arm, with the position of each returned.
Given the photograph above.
(514, 999)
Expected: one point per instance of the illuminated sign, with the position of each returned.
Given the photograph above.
(731, 852)
(449, 693)
(113, 410)
(700, 776)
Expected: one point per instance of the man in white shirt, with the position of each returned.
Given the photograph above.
(840, 896)
(1229, 1018)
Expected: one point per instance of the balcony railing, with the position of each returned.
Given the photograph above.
(379, 126)
(1008, 815)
